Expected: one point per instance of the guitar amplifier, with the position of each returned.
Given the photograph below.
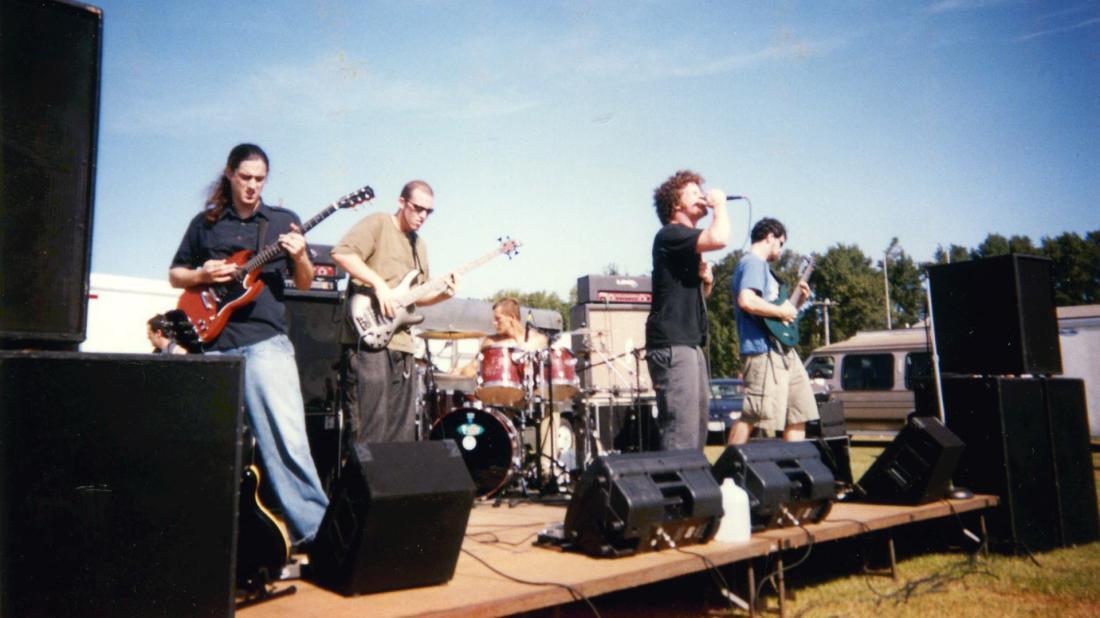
(614, 289)
(608, 334)
(326, 275)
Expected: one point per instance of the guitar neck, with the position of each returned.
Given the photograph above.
(272, 251)
(435, 286)
(796, 297)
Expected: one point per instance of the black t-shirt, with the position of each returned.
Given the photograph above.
(677, 315)
(266, 316)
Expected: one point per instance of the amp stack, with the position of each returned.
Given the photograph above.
(313, 325)
(608, 324)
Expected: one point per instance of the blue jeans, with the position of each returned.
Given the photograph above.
(680, 377)
(276, 414)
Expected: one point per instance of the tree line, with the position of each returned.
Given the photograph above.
(856, 287)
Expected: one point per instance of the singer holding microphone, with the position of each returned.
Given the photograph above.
(676, 329)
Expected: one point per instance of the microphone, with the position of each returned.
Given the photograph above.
(730, 198)
(527, 328)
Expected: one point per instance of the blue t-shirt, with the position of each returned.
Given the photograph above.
(753, 273)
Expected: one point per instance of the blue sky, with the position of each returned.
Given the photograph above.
(552, 122)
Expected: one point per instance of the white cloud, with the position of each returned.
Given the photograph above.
(1050, 31)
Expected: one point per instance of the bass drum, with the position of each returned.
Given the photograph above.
(489, 444)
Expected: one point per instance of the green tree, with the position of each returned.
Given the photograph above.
(906, 291)
(723, 347)
(845, 275)
(1076, 268)
(953, 253)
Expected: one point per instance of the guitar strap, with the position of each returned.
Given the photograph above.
(416, 256)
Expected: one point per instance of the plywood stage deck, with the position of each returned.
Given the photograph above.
(502, 537)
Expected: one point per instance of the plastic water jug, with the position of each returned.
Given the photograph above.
(735, 526)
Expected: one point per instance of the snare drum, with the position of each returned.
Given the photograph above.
(489, 444)
(563, 376)
(500, 376)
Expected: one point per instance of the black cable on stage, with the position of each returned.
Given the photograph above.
(497, 540)
(716, 574)
(804, 558)
(576, 594)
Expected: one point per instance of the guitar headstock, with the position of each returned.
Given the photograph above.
(509, 247)
(806, 266)
(355, 198)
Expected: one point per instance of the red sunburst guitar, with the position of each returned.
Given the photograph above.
(208, 307)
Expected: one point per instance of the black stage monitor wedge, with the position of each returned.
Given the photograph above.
(119, 479)
(49, 68)
(996, 316)
(784, 480)
(396, 519)
(638, 502)
(916, 467)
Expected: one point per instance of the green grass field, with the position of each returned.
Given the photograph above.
(938, 576)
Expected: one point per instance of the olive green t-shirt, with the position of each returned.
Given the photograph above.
(389, 253)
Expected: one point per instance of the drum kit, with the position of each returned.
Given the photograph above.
(507, 421)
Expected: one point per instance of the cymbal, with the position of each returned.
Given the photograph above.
(450, 334)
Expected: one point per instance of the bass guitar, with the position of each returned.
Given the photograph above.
(787, 334)
(375, 329)
(208, 307)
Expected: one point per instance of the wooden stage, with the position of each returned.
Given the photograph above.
(502, 537)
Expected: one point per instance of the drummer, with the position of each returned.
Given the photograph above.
(511, 332)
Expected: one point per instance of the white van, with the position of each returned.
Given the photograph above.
(872, 374)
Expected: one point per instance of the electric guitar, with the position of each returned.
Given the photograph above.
(208, 307)
(263, 542)
(375, 329)
(787, 334)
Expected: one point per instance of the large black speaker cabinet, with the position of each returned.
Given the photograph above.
(1068, 422)
(313, 326)
(638, 502)
(916, 467)
(1008, 453)
(787, 482)
(49, 66)
(396, 519)
(996, 316)
(119, 478)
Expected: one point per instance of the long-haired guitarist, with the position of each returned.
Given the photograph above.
(778, 396)
(235, 219)
(379, 386)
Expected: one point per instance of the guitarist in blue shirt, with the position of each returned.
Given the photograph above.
(778, 396)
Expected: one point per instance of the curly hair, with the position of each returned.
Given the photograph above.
(221, 194)
(667, 195)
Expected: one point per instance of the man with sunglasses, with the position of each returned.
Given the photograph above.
(379, 387)
(778, 395)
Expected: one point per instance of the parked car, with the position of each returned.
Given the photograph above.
(726, 398)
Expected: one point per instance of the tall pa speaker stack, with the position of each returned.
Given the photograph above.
(49, 66)
(1026, 430)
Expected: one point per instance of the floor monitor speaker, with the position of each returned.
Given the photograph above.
(638, 502)
(787, 482)
(996, 316)
(916, 467)
(396, 519)
(49, 65)
(119, 480)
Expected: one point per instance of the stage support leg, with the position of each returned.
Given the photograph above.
(891, 570)
(782, 585)
(751, 574)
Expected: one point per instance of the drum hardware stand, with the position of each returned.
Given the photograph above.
(637, 389)
(637, 399)
(431, 393)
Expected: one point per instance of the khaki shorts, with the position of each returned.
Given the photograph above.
(777, 391)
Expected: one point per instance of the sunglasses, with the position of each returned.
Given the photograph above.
(420, 210)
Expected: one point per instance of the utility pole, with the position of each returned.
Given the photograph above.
(825, 304)
(892, 250)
